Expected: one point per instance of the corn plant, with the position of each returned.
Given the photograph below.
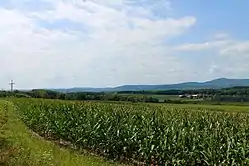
(159, 134)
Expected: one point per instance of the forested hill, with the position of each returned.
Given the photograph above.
(226, 94)
(214, 84)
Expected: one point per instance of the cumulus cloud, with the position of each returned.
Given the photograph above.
(229, 57)
(225, 46)
(67, 43)
(109, 45)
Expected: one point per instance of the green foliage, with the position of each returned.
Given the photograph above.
(230, 98)
(238, 91)
(48, 94)
(20, 147)
(144, 132)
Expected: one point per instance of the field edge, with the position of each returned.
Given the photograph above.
(20, 146)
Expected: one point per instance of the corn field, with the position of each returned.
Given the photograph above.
(159, 134)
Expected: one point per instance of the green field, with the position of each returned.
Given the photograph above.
(21, 147)
(160, 97)
(139, 133)
(175, 98)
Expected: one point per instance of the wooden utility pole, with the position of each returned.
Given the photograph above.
(12, 85)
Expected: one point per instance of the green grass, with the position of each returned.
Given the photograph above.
(19, 147)
(177, 134)
(152, 133)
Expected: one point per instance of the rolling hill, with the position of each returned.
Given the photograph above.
(215, 84)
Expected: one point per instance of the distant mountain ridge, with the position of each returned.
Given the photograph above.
(215, 84)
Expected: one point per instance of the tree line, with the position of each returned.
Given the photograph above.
(48, 94)
(234, 91)
(234, 94)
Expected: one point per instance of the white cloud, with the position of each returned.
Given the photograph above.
(117, 48)
(204, 46)
(220, 36)
(230, 57)
(225, 46)
(238, 48)
(117, 42)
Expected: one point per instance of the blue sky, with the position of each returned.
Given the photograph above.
(98, 43)
(216, 16)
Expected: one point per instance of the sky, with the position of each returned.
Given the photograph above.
(105, 43)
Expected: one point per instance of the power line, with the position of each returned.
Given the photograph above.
(12, 85)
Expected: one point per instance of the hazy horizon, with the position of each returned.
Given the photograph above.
(114, 86)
